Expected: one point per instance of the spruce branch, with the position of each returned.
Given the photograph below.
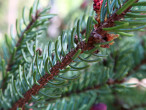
(133, 107)
(37, 23)
(96, 87)
(137, 67)
(82, 46)
(138, 106)
(21, 37)
(41, 73)
(120, 105)
(110, 82)
(33, 20)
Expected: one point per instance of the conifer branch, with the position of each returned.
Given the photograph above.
(120, 106)
(117, 103)
(109, 82)
(83, 46)
(138, 106)
(22, 36)
(10, 62)
(96, 87)
(137, 66)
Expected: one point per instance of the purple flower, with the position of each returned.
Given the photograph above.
(99, 106)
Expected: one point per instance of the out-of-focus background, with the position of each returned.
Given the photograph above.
(66, 10)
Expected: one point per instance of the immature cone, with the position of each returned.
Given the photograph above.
(97, 8)
(107, 37)
(97, 5)
(99, 106)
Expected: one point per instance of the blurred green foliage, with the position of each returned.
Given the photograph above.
(3, 14)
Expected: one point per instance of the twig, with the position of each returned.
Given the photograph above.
(118, 103)
(109, 82)
(96, 87)
(137, 106)
(21, 37)
(138, 66)
(10, 63)
(68, 59)
(121, 107)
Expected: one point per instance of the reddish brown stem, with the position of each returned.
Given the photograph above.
(54, 71)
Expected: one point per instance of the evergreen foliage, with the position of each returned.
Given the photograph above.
(79, 69)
